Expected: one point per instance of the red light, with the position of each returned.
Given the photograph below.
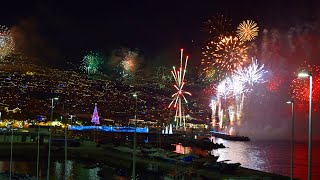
(180, 92)
(181, 49)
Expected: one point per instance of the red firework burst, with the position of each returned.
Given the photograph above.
(275, 82)
(300, 88)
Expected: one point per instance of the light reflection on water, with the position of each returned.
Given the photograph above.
(74, 170)
(181, 149)
(248, 155)
(269, 156)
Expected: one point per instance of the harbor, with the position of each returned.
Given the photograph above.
(163, 161)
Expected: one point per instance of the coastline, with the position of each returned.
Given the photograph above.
(88, 152)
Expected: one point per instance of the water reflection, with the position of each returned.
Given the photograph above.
(22, 167)
(269, 156)
(181, 149)
(62, 172)
(248, 155)
(58, 170)
(74, 171)
(190, 150)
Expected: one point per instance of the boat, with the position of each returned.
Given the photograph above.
(229, 137)
(222, 166)
(227, 167)
(206, 161)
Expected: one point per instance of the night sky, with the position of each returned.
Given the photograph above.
(68, 29)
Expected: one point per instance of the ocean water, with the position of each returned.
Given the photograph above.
(272, 156)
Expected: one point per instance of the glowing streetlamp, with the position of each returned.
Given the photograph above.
(134, 139)
(292, 135)
(38, 152)
(11, 151)
(304, 75)
(49, 151)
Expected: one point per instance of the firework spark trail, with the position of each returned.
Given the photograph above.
(213, 106)
(224, 89)
(224, 56)
(179, 76)
(252, 74)
(236, 86)
(91, 63)
(218, 25)
(128, 64)
(6, 42)
(300, 88)
(247, 30)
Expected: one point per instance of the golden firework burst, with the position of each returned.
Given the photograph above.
(247, 30)
(223, 57)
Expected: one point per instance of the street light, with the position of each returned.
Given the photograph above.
(11, 151)
(292, 135)
(134, 139)
(39, 118)
(303, 75)
(49, 151)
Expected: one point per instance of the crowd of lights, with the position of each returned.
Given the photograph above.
(247, 30)
(179, 75)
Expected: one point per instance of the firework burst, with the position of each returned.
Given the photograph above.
(300, 88)
(179, 75)
(6, 42)
(91, 63)
(128, 63)
(218, 25)
(233, 89)
(247, 30)
(252, 74)
(222, 58)
(162, 74)
(229, 55)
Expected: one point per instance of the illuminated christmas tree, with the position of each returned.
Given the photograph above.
(95, 116)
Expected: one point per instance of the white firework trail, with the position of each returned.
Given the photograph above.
(178, 97)
(252, 74)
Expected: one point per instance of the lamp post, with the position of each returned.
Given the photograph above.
(49, 151)
(65, 147)
(134, 139)
(303, 75)
(38, 152)
(11, 152)
(292, 136)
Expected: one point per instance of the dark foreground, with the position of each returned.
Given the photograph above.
(88, 152)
